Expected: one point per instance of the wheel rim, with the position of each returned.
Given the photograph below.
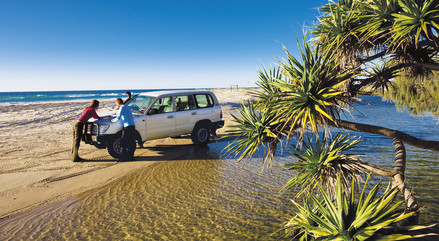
(116, 146)
(202, 135)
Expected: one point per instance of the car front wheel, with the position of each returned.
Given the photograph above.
(200, 134)
(113, 147)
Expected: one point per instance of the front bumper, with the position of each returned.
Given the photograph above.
(89, 130)
(91, 135)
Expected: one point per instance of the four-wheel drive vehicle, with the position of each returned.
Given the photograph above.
(161, 114)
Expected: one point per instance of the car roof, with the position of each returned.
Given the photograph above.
(174, 92)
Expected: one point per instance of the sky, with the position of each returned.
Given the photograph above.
(53, 45)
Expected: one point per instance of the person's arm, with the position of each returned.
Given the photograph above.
(95, 115)
(118, 114)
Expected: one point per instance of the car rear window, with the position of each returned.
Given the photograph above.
(204, 100)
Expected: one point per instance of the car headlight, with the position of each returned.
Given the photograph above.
(103, 128)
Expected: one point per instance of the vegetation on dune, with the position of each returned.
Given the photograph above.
(390, 46)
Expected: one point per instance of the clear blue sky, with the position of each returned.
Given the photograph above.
(142, 44)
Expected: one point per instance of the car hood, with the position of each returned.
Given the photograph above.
(106, 121)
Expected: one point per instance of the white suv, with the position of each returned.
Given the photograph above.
(161, 114)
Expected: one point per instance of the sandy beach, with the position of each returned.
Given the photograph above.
(35, 145)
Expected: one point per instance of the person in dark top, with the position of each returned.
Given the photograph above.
(78, 127)
(129, 97)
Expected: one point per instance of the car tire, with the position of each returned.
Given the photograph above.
(200, 135)
(113, 146)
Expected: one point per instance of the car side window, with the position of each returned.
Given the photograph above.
(162, 105)
(184, 102)
(204, 101)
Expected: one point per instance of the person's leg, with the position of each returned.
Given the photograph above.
(131, 142)
(123, 145)
(77, 135)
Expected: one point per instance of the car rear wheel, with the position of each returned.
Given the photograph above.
(200, 134)
(113, 147)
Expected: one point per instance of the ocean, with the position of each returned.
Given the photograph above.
(47, 96)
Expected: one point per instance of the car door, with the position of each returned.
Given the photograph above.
(205, 106)
(186, 114)
(138, 106)
(161, 121)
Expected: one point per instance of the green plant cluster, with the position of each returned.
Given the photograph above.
(369, 216)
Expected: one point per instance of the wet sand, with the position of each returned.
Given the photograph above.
(35, 144)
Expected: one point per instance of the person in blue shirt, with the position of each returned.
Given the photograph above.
(127, 141)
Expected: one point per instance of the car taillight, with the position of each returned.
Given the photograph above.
(221, 114)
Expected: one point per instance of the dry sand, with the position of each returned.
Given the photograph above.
(35, 145)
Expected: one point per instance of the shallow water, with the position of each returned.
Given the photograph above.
(215, 198)
(422, 166)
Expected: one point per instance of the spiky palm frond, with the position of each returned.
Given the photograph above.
(336, 31)
(418, 20)
(254, 128)
(298, 95)
(310, 95)
(267, 78)
(368, 217)
(376, 21)
(267, 89)
(382, 75)
(319, 163)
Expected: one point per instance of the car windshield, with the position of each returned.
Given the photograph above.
(139, 104)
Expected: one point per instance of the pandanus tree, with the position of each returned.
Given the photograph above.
(355, 44)
(367, 216)
(400, 37)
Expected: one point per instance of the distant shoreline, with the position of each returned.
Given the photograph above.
(32, 97)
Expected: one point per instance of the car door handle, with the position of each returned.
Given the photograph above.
(170, 116)
(194, 113)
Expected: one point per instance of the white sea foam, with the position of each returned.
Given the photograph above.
(81, 95)
(110, 94)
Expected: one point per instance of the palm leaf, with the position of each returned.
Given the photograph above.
(343, 218)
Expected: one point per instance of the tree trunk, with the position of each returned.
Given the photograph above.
(406, 138)
(400, 155)
(398, 179)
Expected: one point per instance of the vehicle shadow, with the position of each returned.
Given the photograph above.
(179, 152)
(176, 152)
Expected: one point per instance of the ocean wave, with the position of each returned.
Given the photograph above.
(111, 94)
(47, 96)
(79, 95)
